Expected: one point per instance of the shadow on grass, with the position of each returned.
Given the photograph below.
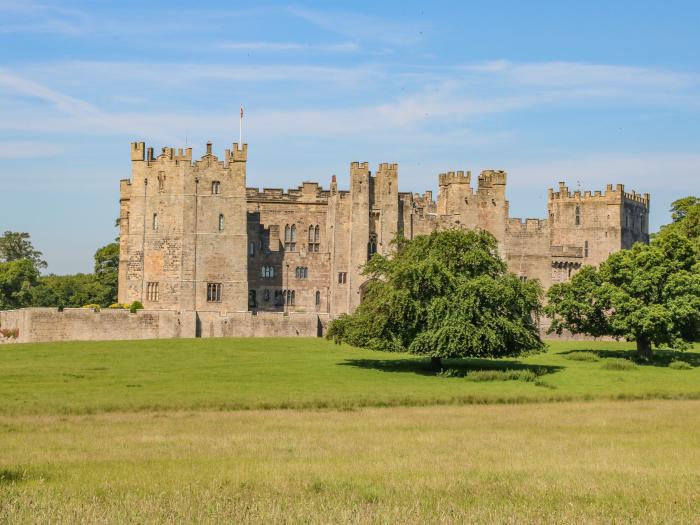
(661, 358)
(9, 476)
(425, 367)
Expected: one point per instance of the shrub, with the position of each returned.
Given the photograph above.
(582, 356)
(136, 305)
(619, 364)
(450, 372)
(502, 375)
(94, 306)
(680, 365)
(120, 306)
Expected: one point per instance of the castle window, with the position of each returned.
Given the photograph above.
(221, 222)
(266, 295)
(314, 238)
(155, 221)
(301, 272)
(523, 278)
(215, 187)
(578, 215)
(318, 297)
(288, 297)
(372, 246)
(342, 277)
(161, 181)
(290, 238)
(585, 249)
(252, 300)
(267, 272)
(152, 292)
(213, 292)
(251, 248)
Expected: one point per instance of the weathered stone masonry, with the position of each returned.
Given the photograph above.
(208, 256)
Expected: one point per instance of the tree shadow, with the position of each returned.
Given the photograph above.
(423, 366)
(660, 357)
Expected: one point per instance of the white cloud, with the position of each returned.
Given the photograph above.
(25, 149)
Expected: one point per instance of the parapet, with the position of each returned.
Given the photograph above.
(308, 191)
(389, 169)
(616, 194)
(527, 226)
(489, 178)
(452, 177)
(239, 154)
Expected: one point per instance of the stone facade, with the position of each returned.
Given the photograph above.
(209, 257)
(194, 237)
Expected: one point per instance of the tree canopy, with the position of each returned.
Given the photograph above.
(649, 294)
(443, 295)
(15, 246)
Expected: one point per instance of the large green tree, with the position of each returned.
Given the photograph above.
(15, 246)
(685, 216)
(17, 277)
(107, 267)
(444, 295)
(649, 294)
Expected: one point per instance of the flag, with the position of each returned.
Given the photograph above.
(241, 111)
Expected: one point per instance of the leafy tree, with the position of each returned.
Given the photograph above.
(15, 246)
(443, 295)
(685, 214)
(16, 280)
(107, 267)
(649, 294)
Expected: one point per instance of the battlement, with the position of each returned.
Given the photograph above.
(490, 178)
(527, 226)
(452, 177)
(140, 153)
(359, 166)
(616, 194)
(238, 153)
(386, 168)
(308, 191)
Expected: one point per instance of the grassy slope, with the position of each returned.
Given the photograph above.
(598, 462)
(297, 373)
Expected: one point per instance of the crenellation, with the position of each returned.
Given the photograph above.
(187, 226)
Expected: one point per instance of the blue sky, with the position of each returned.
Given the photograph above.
(585, 92)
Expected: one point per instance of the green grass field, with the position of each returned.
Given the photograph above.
(229, 374)
(304, 431)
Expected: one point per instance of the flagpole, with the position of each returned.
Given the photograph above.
(240, 130)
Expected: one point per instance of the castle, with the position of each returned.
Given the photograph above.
(195, 238)
(207, 256)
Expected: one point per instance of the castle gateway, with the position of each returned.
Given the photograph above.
(194, 238)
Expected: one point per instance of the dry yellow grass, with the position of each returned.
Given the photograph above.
(599, 462)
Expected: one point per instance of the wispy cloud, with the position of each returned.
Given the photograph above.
(34, 17)
(364, 28)
(342, 47)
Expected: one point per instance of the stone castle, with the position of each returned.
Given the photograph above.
(208, 256)
(194, 237)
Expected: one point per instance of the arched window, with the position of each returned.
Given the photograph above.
(290, 238)
(221, 222)
(578, 215)
(294, 233)
(287, 237)
(252, 300)
(585, 249)
(251, 248)
(155, 221)
(372, 245)
(318, 298)
(314, 238)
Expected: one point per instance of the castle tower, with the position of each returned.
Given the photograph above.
(585, 228)
(183, 228)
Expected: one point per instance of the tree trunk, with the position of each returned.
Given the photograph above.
(643, 348)
(436, 363)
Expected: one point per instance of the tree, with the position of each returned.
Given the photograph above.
(107, 268)
(443, 295)
(649, 294)
(71, 291)
(16, 280)
(15, 246)
(685, 214)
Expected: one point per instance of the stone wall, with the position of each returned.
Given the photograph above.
(84, 324)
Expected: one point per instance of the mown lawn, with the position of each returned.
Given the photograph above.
(227, 374)
(559, 463)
